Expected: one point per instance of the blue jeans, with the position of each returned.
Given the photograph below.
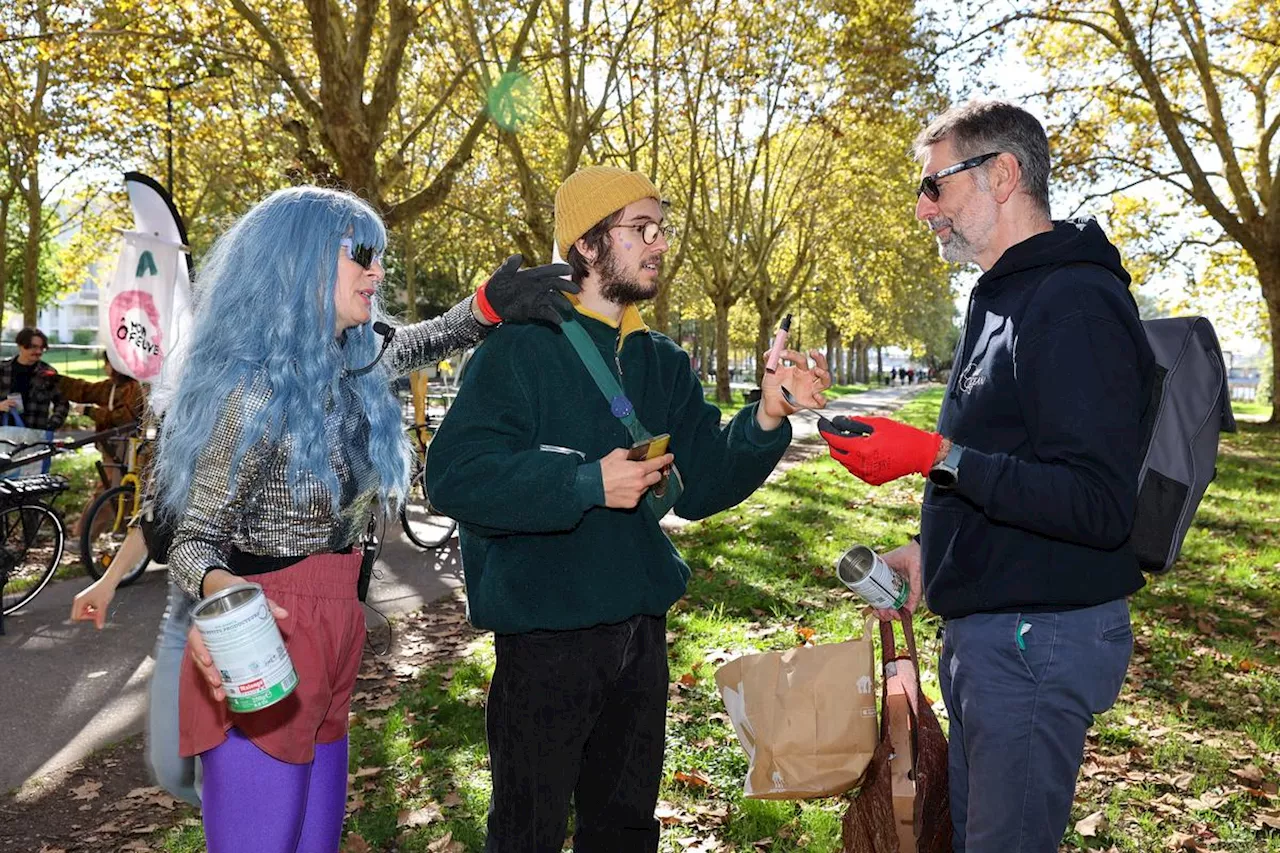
(1021, 692)
(177, 775)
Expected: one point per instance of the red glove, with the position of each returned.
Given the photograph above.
(877, 450)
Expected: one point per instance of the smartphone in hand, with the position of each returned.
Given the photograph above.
(652, 448)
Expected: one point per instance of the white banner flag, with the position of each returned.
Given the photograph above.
(136, 315)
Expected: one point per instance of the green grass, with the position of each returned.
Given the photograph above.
(1251, 411)
(181, 839)
(80, 469)
(80, 366)
(446, 708)
(1198, 706)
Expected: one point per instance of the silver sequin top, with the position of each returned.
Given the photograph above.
(257, 513)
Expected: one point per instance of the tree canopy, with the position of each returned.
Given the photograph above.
(778, 134)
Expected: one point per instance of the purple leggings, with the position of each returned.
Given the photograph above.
(255, 802)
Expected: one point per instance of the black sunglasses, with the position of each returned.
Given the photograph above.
(929, 183)
(361, 253)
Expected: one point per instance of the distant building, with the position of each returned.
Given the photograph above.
(72, 320)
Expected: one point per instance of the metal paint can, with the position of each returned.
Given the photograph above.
(862, 570)
(246, 646)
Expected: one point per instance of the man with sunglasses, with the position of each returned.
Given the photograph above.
(1033, 471)
(561, 547)
(29, 389)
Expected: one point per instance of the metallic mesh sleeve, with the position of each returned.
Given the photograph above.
(215, 505)
(421, 344)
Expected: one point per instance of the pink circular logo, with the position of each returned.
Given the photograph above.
(137, 334)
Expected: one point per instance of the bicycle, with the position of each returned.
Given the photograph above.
(425, 526)
(32, 535)
(109, 516)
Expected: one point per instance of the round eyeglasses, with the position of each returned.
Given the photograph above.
(650, 230)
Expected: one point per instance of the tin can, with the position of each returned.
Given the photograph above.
(246, 646)
(862, 570)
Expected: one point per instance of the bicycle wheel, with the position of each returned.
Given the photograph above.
(425, 526)
(31, 543)
(102, 530)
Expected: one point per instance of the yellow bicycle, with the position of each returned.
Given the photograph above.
(425, 526)
(107, 520)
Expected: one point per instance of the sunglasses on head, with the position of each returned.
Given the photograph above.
(362, 253)
(929, 186)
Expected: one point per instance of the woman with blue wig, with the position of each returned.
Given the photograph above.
(281, 435)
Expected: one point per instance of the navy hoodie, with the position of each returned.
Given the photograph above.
(1047, 396)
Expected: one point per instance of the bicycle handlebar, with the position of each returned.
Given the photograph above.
(56, 446)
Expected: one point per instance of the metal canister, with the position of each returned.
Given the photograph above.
(862, 570)
(246, 646)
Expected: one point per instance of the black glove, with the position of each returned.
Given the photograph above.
(522, 296)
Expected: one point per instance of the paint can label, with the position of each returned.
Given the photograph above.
(246, 646)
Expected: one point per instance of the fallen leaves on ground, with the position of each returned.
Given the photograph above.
(355, 843)
(1249, 773)
(86, 791)
(420, 816)
(693, 778)
(445, 844)
(1090, 826)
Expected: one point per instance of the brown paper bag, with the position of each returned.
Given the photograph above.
(805, 717)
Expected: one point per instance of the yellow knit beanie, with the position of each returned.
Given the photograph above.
(591, 194)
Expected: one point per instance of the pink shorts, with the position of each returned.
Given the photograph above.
(324, 634)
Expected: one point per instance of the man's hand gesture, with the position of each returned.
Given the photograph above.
(805, 384)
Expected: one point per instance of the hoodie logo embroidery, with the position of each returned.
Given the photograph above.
(971, 378)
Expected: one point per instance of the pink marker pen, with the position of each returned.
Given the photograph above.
(779, 341)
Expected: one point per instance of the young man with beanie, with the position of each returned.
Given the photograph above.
(1033, 480)
(563, 555)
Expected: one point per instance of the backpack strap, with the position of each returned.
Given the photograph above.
(619, 405)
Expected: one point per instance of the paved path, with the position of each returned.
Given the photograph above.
(69, 690)
(804, 425)
(805, 442)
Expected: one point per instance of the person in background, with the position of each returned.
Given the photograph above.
(173, 772)
(29, 387)
(116, 401)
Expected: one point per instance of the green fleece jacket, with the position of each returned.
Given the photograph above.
(516, 462)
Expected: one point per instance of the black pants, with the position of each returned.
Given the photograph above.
(578, 714)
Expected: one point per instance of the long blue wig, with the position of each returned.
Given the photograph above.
(265, 301)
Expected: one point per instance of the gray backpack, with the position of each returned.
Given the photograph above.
(1190, 405)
